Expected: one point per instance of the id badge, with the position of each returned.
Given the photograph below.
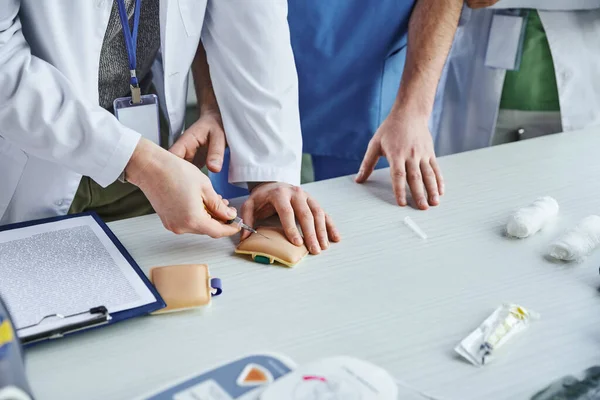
(142, 118)
(505, 42)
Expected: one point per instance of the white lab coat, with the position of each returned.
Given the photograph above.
(52, 130)
(468, 97)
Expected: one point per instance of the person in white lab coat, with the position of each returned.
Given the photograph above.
(61, 149)
(484, 98)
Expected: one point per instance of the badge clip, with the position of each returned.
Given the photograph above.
(136, 92)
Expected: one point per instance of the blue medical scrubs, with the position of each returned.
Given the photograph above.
(350, 55)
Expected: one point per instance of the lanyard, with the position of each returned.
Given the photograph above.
(131, 45)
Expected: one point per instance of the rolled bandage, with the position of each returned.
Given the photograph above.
(529, 220)
(578, 242)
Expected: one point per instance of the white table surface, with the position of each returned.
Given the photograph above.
(382, 294)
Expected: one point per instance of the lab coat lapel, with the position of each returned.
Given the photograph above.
(467, 102)
(169, 52)
(164, 8)
(573, 40)
(181, 23)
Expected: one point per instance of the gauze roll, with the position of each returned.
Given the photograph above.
(578, 242)
(529, 220)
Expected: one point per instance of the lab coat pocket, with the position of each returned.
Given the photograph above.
(12, 164)
(192, 14)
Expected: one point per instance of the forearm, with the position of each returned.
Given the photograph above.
(256, 84)
(207, 101)
(430, 35)
(42, 113)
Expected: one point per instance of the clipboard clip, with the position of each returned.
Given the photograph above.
(97, 316)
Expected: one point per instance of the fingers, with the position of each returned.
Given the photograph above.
(398, 175)
(284, 209)
(178, 148)
(216, 150)
(334, 234)
(369, 162)
(186, 146)
(182, 147)
(307, 222)
(438, 174)
(213, 228)
(247, 215)
(225, 201)
(430, 182)
(200, 223)
(415, 181)
(292, 204)
(320, 223)
(216, 206)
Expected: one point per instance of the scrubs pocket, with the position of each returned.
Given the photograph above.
(12, 164)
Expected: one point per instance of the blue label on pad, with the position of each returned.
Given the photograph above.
(230, 381)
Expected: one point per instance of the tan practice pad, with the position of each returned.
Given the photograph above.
(276, 248)
(182, 286)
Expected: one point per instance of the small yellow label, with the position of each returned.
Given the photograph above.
(6, 333)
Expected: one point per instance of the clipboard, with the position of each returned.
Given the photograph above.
(60, 325)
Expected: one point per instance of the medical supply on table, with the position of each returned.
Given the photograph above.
(344, 378)
(276, 248)
(184, 287)
(242, 379)
(578, 242)
(275, 377)
(81, 275)
(408, 221)
(571, 388)
(529, 220)
(13, 382)
(505, 322)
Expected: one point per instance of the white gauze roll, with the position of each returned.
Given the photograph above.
(529, 220)
(578, 242)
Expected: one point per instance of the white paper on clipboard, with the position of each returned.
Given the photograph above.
(65, 267)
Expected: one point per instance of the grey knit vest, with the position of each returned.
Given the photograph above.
(113, 75)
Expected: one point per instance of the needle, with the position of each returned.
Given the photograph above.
(238, 221)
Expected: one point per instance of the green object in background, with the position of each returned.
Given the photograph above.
(307, 173)
(533, 86)
(262, 259)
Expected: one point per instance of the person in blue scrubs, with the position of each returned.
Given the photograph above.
(351, 57)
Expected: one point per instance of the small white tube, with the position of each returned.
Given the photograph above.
(414, 227)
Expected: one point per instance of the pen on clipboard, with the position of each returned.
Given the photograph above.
(97, 316)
